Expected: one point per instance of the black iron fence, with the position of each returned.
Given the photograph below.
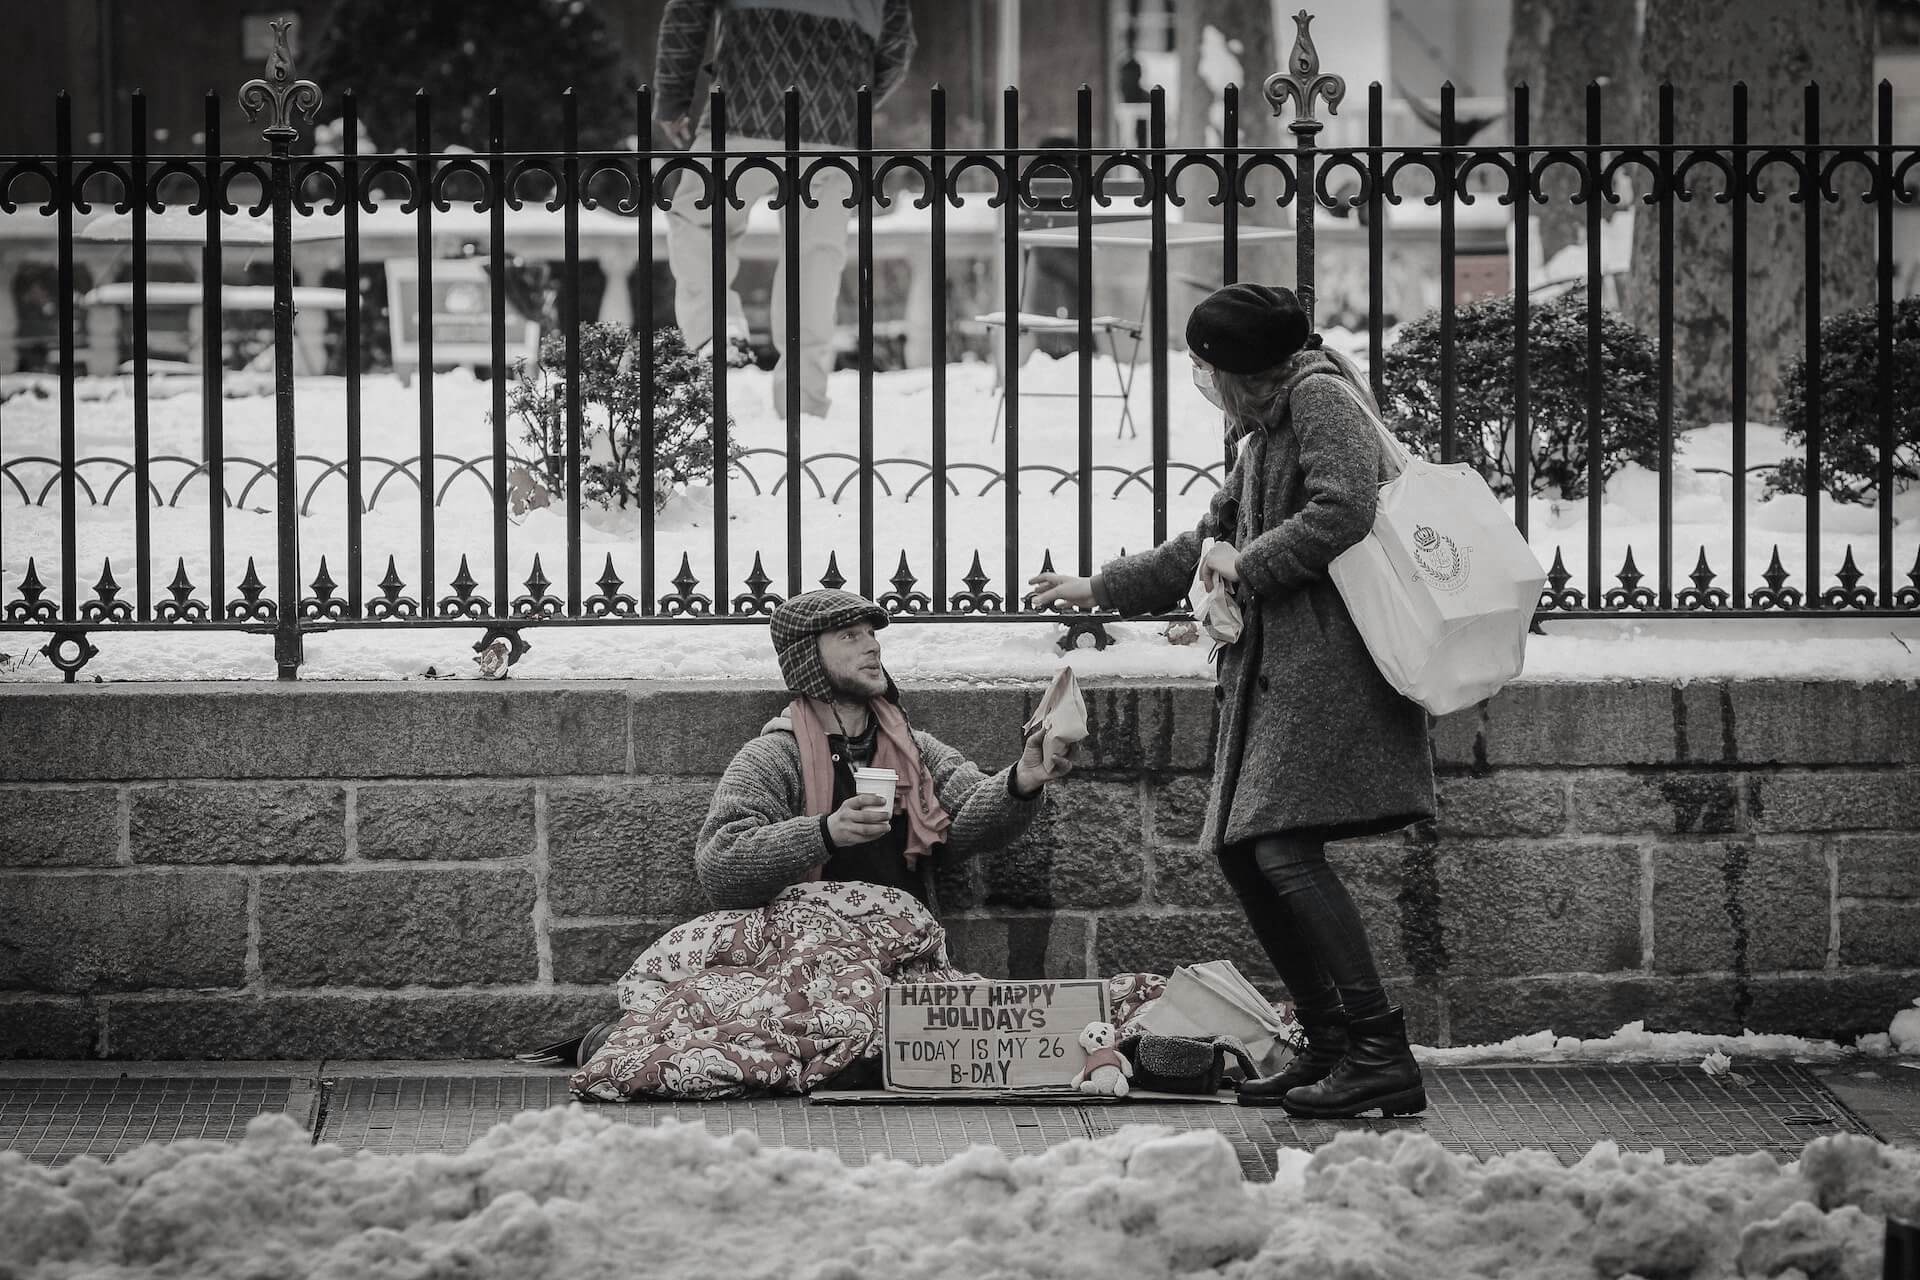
(1221, 197)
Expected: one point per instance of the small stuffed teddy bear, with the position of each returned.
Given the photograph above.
(1107, 1069)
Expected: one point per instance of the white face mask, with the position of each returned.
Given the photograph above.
(1203, 379)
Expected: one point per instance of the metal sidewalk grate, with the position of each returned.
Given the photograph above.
(398, 1114)
(52, 1120)
(1481, 1111)
(1485, 1111)
(446, 1114)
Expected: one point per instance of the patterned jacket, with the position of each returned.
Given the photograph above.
(825, 48)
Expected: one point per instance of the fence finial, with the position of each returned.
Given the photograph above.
(280, 93)
(1303, 80)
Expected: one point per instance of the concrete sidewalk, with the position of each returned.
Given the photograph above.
(53, 1112)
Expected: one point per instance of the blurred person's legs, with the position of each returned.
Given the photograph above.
(823, 257)
(690, 242)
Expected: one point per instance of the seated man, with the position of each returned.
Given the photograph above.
(785, 810)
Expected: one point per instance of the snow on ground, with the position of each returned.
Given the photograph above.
(568, 1192)
(757, 514)
(1634, 1043)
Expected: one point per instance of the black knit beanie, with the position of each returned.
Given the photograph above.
(1248, 328)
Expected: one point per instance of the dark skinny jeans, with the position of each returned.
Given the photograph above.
(1306, 922)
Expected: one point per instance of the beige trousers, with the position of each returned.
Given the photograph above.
(823, 256)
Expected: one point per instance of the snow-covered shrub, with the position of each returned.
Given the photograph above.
(1557, 378)
(612, 376)
(1850, 405)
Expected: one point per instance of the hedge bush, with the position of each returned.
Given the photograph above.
(1849, 406)
(1558, 378)
(611, 363)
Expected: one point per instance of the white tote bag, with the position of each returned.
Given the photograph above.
(1443, 587)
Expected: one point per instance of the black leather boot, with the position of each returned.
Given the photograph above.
(1326, 1045)
(1378, 1072)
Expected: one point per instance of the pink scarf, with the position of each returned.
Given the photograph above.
(927, 820)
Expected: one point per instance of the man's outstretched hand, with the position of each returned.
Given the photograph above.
(862, 819)
(1034, 771)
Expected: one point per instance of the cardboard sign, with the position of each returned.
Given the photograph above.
(986, 1036)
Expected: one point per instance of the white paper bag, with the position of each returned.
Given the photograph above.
(1064, 713)
(1217, 612)
(1443, 588)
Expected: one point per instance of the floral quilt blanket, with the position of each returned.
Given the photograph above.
(781, 998)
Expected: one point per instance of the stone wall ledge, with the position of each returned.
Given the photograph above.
(520, 729)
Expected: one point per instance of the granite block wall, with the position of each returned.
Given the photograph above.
(363, 871)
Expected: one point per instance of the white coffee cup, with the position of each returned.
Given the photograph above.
(876, 782)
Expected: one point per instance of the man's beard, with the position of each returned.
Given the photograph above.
(859, 686)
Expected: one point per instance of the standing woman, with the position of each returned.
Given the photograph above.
(1314, 745)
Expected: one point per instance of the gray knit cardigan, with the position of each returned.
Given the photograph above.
(758, 839)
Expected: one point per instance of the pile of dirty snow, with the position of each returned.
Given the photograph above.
(568, 1193)
(1632, 1042)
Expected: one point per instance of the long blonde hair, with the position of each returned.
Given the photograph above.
(1252, 400)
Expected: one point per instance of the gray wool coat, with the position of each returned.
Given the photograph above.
(1312, 739)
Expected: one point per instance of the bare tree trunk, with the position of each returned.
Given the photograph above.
(1776, 47)
(1557, 47)
(1247, 23)
(1247, 27)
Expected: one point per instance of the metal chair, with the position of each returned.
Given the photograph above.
(1030, 322)
(1051, 211)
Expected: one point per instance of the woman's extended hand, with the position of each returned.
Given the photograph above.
(1221, 562)
(1061, 588)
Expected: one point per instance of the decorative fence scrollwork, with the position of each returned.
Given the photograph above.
(1083, 183)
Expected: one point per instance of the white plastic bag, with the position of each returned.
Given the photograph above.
(1443, 587)
(1217, 612)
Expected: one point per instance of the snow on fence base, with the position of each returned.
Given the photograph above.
(755, 522)
(566, 1192)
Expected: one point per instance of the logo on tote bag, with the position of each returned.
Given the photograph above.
(1440, 559)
